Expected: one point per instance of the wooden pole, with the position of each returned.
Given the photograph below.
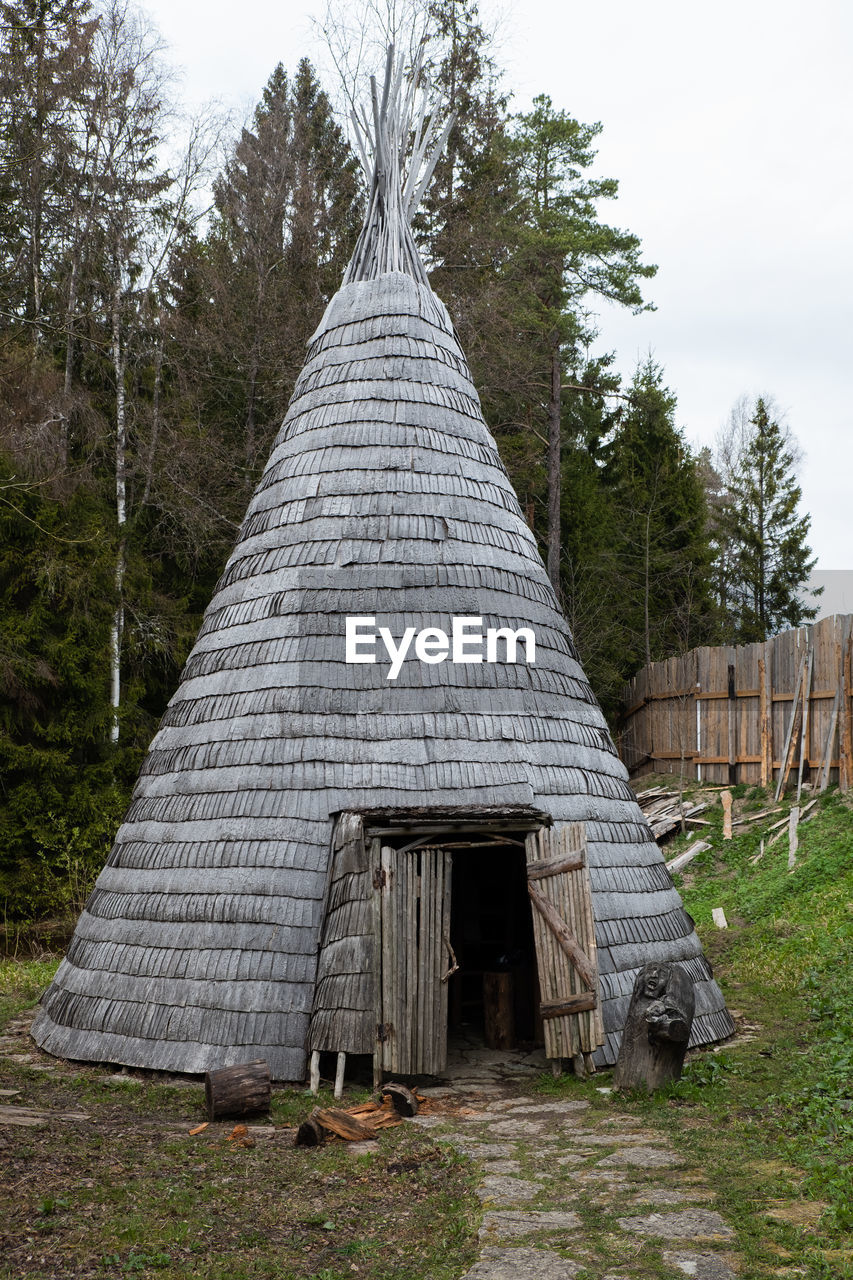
(314, 1079)
(845, 745)
(726, 801)
(826, 759)
(339, 1075)
(764, 705)
(804, 736)
(793, 819)
(793, 726)
(732, 725)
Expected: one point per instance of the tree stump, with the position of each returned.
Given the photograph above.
(403, 1100)
(498, 1014)
(657, 1028)
(242, 1090)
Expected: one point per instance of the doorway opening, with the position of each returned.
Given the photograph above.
(494, 995)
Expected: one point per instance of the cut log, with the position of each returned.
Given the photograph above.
(310, 1133)
(241, 1090)
(403, 1100)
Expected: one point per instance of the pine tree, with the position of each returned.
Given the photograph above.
(44, 74)
(565, 255)
(661, 569)
(763, 537)
(287, 215)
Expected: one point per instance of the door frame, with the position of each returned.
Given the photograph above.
(446, 829)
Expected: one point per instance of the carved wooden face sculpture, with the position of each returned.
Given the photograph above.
(653, 980)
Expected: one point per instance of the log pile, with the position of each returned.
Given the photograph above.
(662, 809)
(359, 1123)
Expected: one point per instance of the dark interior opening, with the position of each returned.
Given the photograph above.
(491, 931)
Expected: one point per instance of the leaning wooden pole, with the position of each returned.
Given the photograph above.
(845, 746)
(395, 130)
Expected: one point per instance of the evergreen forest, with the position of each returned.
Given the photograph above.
(159, 279)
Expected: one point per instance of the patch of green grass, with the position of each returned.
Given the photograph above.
(786, 1098)
(123, 1195)
(22, 983)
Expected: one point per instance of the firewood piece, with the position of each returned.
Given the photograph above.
(363, 1109)
(341, 1123)
(403, 1100)
(241, 1090)
(310, 1133)
(381, 1119)
(657, 1028)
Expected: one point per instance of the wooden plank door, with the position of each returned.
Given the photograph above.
(413, 924)
(564, 933)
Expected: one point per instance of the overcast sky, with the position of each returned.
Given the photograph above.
(730, 130)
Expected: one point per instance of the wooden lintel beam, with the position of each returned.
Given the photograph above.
(486, 827)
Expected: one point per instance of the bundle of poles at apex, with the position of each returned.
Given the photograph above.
(386, 242)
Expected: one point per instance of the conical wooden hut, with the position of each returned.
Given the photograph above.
(313, 841)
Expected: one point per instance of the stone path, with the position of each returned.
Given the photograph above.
(572, 1192)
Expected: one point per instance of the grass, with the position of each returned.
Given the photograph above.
(770, 1119)
(130, 1193)
(22, 983)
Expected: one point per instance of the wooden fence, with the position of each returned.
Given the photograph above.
(747, 713)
